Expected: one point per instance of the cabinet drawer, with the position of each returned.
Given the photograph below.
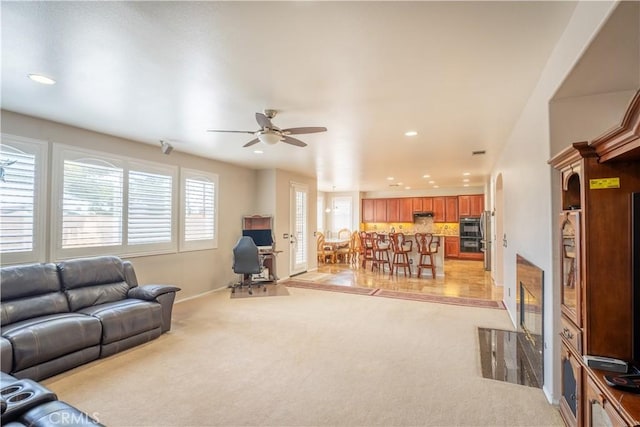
(571, 334)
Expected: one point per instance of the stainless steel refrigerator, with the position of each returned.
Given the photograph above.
(485, 233)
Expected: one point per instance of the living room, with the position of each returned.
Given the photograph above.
(542, 128)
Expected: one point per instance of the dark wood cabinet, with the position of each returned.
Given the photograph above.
(393, 210)
(594, 237)
(368, 212)
(451, 209)
(379, 210)
(438, 209)
(451, 247)
(570, 398)
(470, 205)
(405, 212)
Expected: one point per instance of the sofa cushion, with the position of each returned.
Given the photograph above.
(122, 319)
(30, 290)
(44, 338)
(93, 281)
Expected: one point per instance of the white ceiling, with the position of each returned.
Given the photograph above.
(459, 73)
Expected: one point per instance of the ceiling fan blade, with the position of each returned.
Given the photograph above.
(232, 131)
(252, 142)
(293, 141)
(298, 131)
(264, 121)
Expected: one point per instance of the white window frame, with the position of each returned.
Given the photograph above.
(341, 199)
(40, 150)
(196, 245)
(63, 152)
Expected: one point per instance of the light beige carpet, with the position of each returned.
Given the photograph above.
(309, 359)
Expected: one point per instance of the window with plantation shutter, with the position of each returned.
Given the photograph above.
(22, 199)
(150, 208)
(199, 210)
(92, 208)
(107, 204)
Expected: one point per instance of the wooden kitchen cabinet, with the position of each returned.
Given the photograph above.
(393, 210)
(368, 211)
(470, 205)
(451, 247)
(451, 209)
(405, 213)
(379, 210)
(438, 209)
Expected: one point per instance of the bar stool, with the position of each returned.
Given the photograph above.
(427, 247)
(366, 248)
(401, 249)
(380, 253)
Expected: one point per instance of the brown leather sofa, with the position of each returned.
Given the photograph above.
(27, 403)
(55, 317)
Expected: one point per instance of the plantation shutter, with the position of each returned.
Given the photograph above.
(199, 209)
(18, 199)
(91, 204)
(150, 208)
(301, 226)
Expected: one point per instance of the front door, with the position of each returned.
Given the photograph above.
(298, 235)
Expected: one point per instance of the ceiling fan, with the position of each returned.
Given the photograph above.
(271, 134)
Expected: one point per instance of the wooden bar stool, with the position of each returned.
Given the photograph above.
(380, 253)
(366, 248)
(427, 247)
(401, 248)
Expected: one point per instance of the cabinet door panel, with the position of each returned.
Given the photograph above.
(451, 247)
(393, 210)
(405, 208)
(416, 204)
(477, 204)
(427, 204)
(570, 266)
(368, 212)
(570, 405)
(451, 209)
(438, 209)
(380, 210)
(464, 205)
(598, 410)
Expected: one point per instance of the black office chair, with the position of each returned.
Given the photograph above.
(247, 261)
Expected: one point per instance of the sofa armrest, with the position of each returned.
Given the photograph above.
(151, 292)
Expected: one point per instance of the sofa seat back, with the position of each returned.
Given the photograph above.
(29, 291)
(93, 281)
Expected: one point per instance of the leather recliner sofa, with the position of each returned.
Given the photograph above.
(27, 403)
(55, 317)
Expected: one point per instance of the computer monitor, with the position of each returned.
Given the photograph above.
(260, 237)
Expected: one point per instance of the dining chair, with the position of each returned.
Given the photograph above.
(381, 248)
(344, 233)
(324, 251)
(366, 248)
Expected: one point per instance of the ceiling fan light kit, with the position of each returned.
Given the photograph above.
(269, 134)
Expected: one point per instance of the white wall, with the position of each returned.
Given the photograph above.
(195, 272)
(528, 217)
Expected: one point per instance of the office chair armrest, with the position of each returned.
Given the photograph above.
(151, 292)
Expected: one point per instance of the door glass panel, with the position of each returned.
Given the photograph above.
(570, 252)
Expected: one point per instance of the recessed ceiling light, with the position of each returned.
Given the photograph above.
(258, 151)
(466, 185)
(426, 176)
(407, 188)
(400, 183)
(432, 182)
(465, 180)
(436, 186)
(390, 178)
(466, 173)
(411, 133)
(42, 79)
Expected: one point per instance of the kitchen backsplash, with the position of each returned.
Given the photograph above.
(424, 225)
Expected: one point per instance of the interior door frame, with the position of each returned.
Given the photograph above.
(299, 239)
